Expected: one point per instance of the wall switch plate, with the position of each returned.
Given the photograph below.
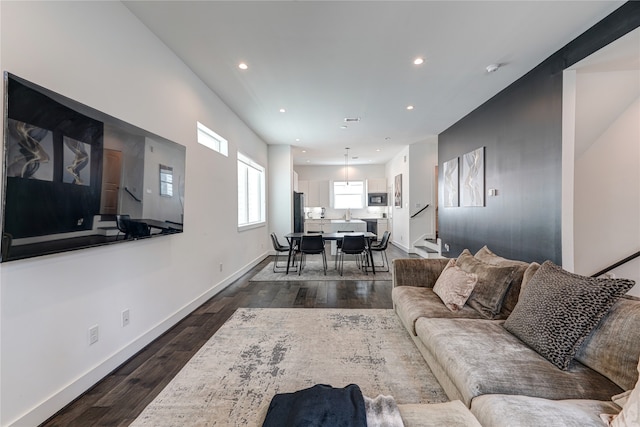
(93, 335)
(125, 317)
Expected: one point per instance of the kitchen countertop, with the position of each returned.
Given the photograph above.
(346, 221)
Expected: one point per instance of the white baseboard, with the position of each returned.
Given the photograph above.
(80, 385)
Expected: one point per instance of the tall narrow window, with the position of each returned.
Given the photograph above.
(251, 192)
(166, 181)
(212, 140)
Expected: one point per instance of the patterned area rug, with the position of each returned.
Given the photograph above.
(259, 352)
(313, 271)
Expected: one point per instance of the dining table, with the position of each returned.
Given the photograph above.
(292, 238)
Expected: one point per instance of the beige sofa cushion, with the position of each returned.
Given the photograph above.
(412, 302)
(481, 357)
(499, 410)
(449, 414)
(630, 414)
(613, 347)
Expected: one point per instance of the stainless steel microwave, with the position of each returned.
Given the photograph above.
(377, 199)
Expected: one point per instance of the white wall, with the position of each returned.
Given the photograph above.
(99, 54)
(601, 171)
(280, 194)
(423, 158)
(400, 228)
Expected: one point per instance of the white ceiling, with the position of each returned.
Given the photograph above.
(323, 61)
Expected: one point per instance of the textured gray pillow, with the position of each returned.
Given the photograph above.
(558, 309)
(493, 283)
(511, 297)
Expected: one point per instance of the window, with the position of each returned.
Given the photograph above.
(251, 192)
(166, 181)
(348, 195)
(212, 140)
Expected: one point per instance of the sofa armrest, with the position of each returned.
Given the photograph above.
(417, 271)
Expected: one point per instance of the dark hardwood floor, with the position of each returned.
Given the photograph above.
(122, 395)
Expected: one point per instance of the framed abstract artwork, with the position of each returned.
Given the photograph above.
(472, 183)
(450, 176)
(397, 191)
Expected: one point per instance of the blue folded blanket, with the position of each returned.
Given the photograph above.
(320, 405)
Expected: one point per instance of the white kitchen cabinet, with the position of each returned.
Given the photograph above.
(314, 226)
(383, 225)
(377, 185)
(316, 193)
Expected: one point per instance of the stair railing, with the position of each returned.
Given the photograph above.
(616, 265)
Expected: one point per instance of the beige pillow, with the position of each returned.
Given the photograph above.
(630, 414)
(454, 286)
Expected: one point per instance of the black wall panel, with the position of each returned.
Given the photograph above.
(521, 128)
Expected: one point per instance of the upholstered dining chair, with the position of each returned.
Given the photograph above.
(122, 224)
(382, 248)
(279, 248)
(311, 244)
(353, 244)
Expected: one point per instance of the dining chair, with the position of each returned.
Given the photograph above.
(311, 244)
(280, 248)
(353, 244)
(382, 248)
(122, 222)
(339, 247)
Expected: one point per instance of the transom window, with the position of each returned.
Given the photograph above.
(212, 140)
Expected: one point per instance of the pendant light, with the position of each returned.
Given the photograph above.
(346, 165)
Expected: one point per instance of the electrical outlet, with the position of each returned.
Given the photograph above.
(93, 335)
(125, 318)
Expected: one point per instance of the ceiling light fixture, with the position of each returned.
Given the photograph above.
(282, 110)
(343, 127)
(409, 107)
(243, 66)
(418, 61)
(492, 68)
(346, 165)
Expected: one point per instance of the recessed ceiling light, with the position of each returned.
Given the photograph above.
(418, 61)
(243, 66)
(492, 68)
(409, 107)
(282, 110)
(308, 161)
(343, 127)
(304, 151)
(378, 150)
(297, 139)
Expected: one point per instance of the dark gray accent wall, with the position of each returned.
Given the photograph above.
(521, 130)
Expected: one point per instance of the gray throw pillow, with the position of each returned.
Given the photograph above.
(558, 309)
(493, 283)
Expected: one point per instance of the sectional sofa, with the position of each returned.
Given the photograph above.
(521, 344)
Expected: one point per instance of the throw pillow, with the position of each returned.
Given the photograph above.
(493, 283)
(558, 309)
(630, 414)
(454, 286)
(511, 297)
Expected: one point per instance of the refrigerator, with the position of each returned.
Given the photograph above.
(298, 212)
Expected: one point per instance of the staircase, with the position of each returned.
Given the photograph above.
(428, 248)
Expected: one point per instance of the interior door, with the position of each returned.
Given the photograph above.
(111, 171)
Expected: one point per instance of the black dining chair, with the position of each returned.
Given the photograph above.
(122, 222)
(382, 248)
(280, 248)
(339, 247)
(353, 244)
(311, 244)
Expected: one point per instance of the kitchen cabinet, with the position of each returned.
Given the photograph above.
(314, 225)
(316, 193)
(377, 185)
(383, 225)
